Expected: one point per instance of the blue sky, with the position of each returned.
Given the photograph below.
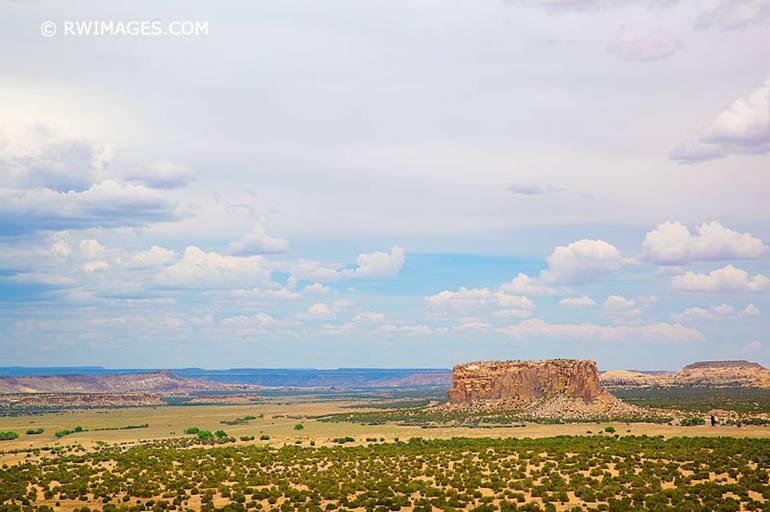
(387, 184)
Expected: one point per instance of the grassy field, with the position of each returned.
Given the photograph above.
(264, 461)
(278, 418)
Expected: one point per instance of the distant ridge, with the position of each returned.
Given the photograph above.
(162, 381)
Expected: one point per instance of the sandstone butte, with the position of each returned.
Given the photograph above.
(557, 388)
(525, 380)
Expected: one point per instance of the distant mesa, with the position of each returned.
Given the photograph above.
(556, 388)
(159, 382)
(716, 374)
(739, 363)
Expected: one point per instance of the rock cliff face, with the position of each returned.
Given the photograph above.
(525, 380)
(553, 389)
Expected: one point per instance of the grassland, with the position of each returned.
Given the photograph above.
(141, 459)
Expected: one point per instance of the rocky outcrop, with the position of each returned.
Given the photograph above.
(559, 388)
(163, 382)
(525, 380)
(701, 374)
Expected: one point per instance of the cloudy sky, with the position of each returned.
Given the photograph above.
(386, 183)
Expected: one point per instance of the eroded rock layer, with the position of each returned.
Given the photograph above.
(525, 380)
(564, 389)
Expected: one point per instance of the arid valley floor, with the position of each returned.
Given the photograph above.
(359, 451)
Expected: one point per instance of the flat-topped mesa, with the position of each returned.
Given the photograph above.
(525, 381)
(739, 363)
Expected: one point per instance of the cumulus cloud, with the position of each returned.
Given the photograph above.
(369, 316)
(578, 302)
(744, 128)
(154, 257)
(750, 311)
(316, 288)
(705, 314)
(474, 299)
(91, 249)
(621, 307)
(210, 270)
(725, 279)
(583, 262)
(643, 45)
(95, 266)
(320, 310)
(734, 15)
(55, 164)
(671, 243)
(311, 270)
(258, 241)
(258, 324)
(107, 204)
(377, 264)
(522, 284)
(658, 331)
(163, 174)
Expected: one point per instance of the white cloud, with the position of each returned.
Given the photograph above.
(95, 266)
(643, 45)
(588, 331)
(583, 262)
(751, 311)
(55, 162)
(522, 284)
(209, 270)
(377, 264)
(409, 329)
(473, 299)
(735, 15)
(671, 243)
(620, 307)
(91, 249)
(699, 314)
(161, 174)
(744, 128)
(258, 241)
(753, 346)
(154, 257)
(647, 300)
(311, 270)
(578, 302)
(258, 324)
(725, 279)
(316, 288)
(369, 316)
(320, 310)
(108, 204)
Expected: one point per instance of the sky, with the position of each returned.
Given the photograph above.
(384, 183)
